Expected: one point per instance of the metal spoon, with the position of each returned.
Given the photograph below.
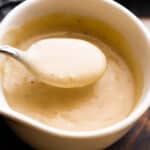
(84, 67)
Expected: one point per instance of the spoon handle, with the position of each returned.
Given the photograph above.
(11, 51)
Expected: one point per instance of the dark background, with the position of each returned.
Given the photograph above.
(137, 139)
(140, 7)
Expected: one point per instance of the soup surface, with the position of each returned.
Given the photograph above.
(107, 101)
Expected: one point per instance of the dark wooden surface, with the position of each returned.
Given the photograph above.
(137, 139)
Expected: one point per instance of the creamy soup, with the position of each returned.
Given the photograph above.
(105, 102)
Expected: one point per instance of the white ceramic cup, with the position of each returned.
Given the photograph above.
(47, 138)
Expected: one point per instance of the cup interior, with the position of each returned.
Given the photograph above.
(109, 12)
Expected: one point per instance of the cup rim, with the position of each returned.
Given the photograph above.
(133, 117)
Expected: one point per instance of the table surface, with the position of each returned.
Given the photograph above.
(138, 137)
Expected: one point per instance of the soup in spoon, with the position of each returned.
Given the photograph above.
(66, 62)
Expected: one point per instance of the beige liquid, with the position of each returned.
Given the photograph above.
(106, 102)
